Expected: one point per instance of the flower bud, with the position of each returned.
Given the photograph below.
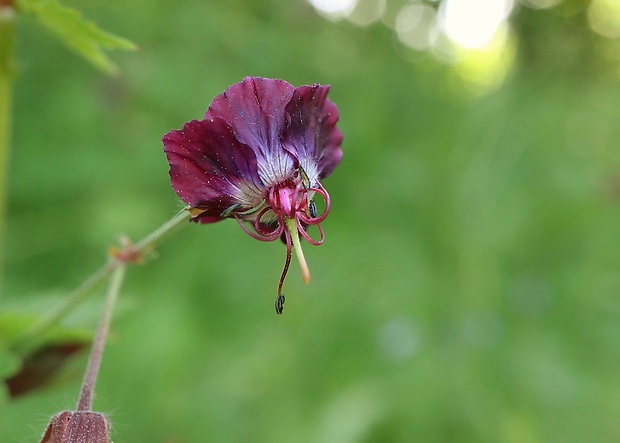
(77, 427)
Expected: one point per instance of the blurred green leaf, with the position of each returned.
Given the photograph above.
(37, 368)
(14, 324)
(9, 362)
(79, 34)
(40, 367)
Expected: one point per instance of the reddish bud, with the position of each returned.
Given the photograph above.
(77, 427)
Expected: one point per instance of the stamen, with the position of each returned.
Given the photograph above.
(291, 225)
(311, 217)
(226, 212)
(271, 236)
(289, 253)
(274, 233)
(279, 304)
(312, 208)
(307, 237)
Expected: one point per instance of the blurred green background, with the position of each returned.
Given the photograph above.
(468, 287)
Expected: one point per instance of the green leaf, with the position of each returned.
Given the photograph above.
(13, 324)
(25, 372)
(9, 363)
(80, 35)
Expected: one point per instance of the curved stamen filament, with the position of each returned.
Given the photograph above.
(307, 237)
(274, 233)
(259, 235)
(289, 253)
(308, 219)
(286, 213)
(291, 225)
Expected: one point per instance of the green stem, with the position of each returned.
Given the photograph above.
(149, 240)
(32, 337)
(87, 392)
(7, 14)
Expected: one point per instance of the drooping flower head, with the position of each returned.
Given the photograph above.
(259, 156)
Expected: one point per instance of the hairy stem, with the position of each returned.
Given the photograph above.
(32, 337)
(96, 353)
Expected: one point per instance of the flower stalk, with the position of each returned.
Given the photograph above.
(85, 401)
(84, 425)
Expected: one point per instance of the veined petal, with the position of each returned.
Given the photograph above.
(312, 136)
(211, 170)
(254, 108)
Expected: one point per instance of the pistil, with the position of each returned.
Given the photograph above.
(291, 225)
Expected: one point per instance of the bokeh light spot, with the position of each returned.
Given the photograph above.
(334, 9)
(540, 4)
(484, 70)
(604, 17)
(367, 12)
(473, 23)
(414, 25)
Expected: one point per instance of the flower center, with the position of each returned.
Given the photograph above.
(291, 208)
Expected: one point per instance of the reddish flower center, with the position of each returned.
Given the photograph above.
(292, 204)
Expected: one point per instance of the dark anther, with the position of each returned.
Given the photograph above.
(280, 304)
(312, 209)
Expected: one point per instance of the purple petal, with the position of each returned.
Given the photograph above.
(312, 136)
(255, 110)
(210, 169)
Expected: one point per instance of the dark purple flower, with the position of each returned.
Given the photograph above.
(259, 155)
